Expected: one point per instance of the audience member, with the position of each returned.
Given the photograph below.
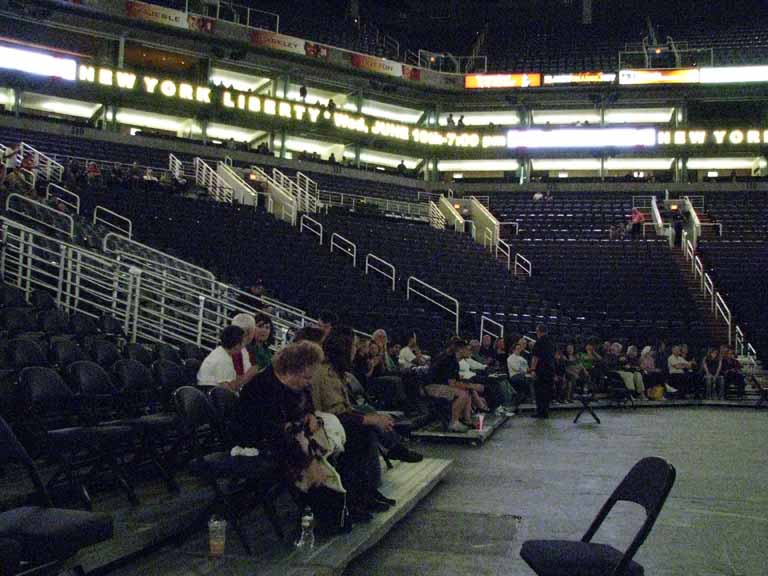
(327, 320)
(227, 365)
(732, 375)
(711, 367)
(543, 365)
(679, 372)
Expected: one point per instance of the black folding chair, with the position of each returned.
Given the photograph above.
(65, 352)
(105, 353)
(648, 484)
(586, 397)
(143, 410)
(42, 537)
(52, 419)
(228, 476)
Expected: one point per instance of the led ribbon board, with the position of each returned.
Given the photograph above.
(582, 138)
(486, 81)
(37, 63)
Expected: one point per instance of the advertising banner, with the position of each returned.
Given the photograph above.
(580, 78)
(156, 14)
(659, 76)
(489, 81)
(282, 43)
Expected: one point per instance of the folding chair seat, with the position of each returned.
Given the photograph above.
(65, 352)
(82, 326)
(55, 422)
(648, 484)
(15, 321)
(105, 353)
(246, 474)
(168, 352)
(42, 300)
(44, 535)
(140, 353)
(13, 297)
(23, 352)
(54, 322)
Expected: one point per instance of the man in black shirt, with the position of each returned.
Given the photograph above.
(543, 365)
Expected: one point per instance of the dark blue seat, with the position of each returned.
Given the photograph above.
(648, 484)
(46, 534)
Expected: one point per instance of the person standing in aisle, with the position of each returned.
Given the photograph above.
(543, 365)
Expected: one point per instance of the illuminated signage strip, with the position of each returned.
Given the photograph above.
(734, 75)
(287, 110)
(582, 138)
(659, 76)
(486, 81)
(37, 63)
(580, 78)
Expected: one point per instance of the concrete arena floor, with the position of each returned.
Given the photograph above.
(548, 479)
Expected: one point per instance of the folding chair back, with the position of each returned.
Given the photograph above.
(11, 450)
(647, 484)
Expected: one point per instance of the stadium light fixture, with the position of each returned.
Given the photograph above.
(734, 75)
(565, 116)
(144, 120)
(477, 165)
(639, 115)
(81, 110)
(639, 164)
(742, 163)
(565, 164)
(389, 160)
(582, 138)
(510, 118)
(37, 63)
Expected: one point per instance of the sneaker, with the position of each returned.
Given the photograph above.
(670, 389)
(457, 427)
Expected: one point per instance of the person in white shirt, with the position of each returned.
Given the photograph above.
(680, 376)
(517, 366)
(226, 365)
(411, 355)
(469, 367)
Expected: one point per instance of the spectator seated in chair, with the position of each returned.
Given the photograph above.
(680, 377)
(445, 384)
(361, 469)
(228, 365)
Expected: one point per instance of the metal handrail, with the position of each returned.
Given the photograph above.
(309, 190)
(506, 250)
(436, 218)
(56, 216)
(739, 341)
(483, 330)
(308, 222)
(369, 266)
(286, 200)
(523, 264)
(454, 311)
(717, 225)
(70, 198)
(97, 219)
(725, 312)
(708, 287)
(488, 239)
(241, 190)
(515, 224)
(207, 177)
(345, 245)
(352, 201)
(458, 219)
(43, 164)
(698, 268)
(175, 166)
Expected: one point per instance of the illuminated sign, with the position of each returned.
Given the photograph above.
(580, 78)
(735, 137)
(660, 76)
(484, 81)
(734, 75)
(37, 63)
(581, 138)
(286, 109)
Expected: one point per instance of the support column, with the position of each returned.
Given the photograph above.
(283, 137)
(121, 52)
(16, 102)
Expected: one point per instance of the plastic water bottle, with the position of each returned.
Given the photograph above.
(217, 536)
(306, 541)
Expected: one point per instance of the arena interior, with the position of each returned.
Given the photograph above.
(401, 288)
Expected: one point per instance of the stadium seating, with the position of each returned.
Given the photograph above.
(241, 245)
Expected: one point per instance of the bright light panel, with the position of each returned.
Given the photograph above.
(389, 160)
(639, 116)
(483, 118)
(567, 164)
(37, 63)
(565, 116)
(734, 74)
(390, 112)
(581, 138)
(149, 121)
(721, 163)
(81, 110)
(227, 133)
(477, 165)
(639, 163)
(237, 80)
